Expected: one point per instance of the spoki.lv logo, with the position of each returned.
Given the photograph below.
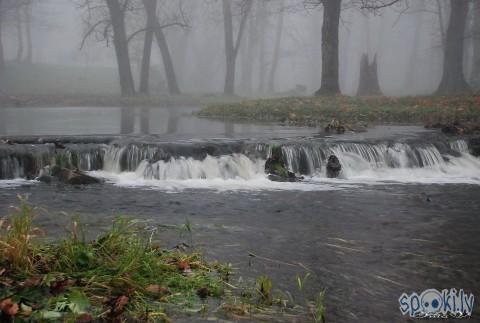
(431, 303)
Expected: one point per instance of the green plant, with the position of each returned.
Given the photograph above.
(301, 281)
(318, 309)
(16, 237)
(264, 289)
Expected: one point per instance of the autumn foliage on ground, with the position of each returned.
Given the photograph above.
(313, 111)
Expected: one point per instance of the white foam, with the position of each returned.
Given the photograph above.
(258, 183)
(11, 183)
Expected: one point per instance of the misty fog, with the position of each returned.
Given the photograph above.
(405, 38)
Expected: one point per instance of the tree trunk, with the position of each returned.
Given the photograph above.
(368, 85)
(411, 72)
(147, 47)
(262, 16)
(248, 57)
(231, 47)
(167, 59)
(276, 53)
(18, 22)
(28, 29)
(453, 80)
(476, 45)
(229, 88)
(117, 17)
(330, 65)
(2, 57)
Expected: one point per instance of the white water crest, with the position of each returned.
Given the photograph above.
(13, 183)
(224, 173)
(361, 164)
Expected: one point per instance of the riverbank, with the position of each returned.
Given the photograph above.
(122, 274)
(318, 111)
(111, 100)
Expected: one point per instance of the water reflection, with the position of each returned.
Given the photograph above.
(169, 123)
(172, 123)
(127, 121)
(2, 122)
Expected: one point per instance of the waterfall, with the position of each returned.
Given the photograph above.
(236, 166)
(380, 161)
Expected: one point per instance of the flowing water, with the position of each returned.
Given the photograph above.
(401, 217)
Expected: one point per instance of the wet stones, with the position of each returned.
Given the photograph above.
(335, 126)
(333, 167)
(67, 176)
(276, 167)
(456, 128)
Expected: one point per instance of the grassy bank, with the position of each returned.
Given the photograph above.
(89, 100)
(312, 111)
(122, 275)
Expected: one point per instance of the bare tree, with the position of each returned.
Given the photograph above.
(105, 19)
(147, 47)
(2, 57)
(476, 44)
(276, 50)
(330, 65)
(232, 45)
(155, 27)
(330, 29)
(18, 23)
(27, 9)
(453, 79)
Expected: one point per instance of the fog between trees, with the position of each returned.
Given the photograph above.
(245, 47)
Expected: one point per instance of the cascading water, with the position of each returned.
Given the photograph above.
(441, 161)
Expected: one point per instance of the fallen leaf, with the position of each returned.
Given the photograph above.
(84, 318)
(8, 308)
(156, 289)
(31, 282)
(120, 304)
(183, 266)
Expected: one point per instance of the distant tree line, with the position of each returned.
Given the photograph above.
(121, 22)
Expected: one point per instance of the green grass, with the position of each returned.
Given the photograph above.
(313, 111)
(121, 275)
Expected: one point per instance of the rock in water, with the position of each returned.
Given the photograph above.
(276, 167)
(333, 167)
(73, 177)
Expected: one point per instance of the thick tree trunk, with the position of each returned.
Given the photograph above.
(147, 48)
(18, 22)
(330, 52)
(276, 53)
(476, 45)
(368, 85)
(229, 88)
(231, 46)
(28, 30)
(117, 17)
(167, 60)
(453, 80)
